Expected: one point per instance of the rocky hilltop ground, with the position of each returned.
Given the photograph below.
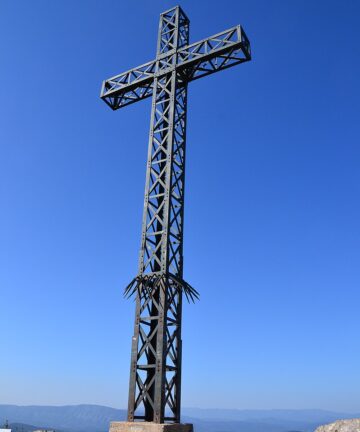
(350, 425)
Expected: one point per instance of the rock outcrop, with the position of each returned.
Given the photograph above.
(352, 425)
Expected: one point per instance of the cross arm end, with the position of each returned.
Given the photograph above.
(128, 87)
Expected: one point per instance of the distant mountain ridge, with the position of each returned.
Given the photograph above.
(96, 418)
(285, 414)
(22, 427)
(69, 418)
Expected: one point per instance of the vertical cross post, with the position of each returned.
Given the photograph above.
(155, 381)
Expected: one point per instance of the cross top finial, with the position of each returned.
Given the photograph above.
(175, 8)
(173, 30)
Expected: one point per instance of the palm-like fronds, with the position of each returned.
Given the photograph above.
(145, 284)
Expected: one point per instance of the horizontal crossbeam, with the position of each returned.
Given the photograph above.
(193, 61)
(213, 54)
(129, 87)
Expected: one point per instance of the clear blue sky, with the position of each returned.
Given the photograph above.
(272, 204)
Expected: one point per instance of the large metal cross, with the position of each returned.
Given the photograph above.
(155, 374)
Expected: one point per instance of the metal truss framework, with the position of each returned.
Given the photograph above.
(155, 373)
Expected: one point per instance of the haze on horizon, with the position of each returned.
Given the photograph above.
(272, 150)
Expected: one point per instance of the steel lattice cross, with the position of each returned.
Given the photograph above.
(155, 373)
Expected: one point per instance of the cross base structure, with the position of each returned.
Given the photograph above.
(155, 370)
(150, 427)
